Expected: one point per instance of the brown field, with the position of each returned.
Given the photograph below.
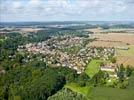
(125, 60)
(116, 40)
(126, 56)
(20, 30)
(25, 30)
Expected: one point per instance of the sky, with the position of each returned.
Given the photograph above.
(66, 10)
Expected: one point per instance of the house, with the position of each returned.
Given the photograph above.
(107, 68)
(110, 69)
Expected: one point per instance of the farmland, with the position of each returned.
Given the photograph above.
(116, 38)
(112, 39)
(126, 56)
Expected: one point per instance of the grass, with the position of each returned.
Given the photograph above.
(105, 93)
(93, 68)
(131, 82)
(86, 90)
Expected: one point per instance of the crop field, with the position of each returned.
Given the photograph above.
(113, 39)
(93, 68)
(116, 40)
(126, 56)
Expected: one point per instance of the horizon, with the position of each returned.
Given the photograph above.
(66, 21)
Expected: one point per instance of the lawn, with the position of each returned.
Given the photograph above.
(86, 90)
(93, 68)
(105, 93)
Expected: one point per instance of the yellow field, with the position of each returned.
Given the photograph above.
(126, 56)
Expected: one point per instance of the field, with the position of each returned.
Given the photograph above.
(113, 39)
(92, 68)
(126, 56)
(104, 93)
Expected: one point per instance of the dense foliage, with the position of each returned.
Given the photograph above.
(66, 94)
(30, 83)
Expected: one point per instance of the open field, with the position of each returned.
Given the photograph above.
(113, 39)
(104, 93)
(126, 56)
(116, 40)
(111, 30)
(30, 29)
(92, 68)
(20, 30)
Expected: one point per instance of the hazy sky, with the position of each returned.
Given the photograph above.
(66, 10)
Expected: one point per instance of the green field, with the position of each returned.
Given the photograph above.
(85, 91)
(93, 68)
(104, 93)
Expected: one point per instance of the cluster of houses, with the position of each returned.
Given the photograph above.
(111, 69)
(54, 54)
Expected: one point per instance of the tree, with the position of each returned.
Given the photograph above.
(113, 60)
(83, 79)
(99, 78)
(128, 71)
(120, 72)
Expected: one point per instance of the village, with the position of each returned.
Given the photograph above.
(68, 51)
